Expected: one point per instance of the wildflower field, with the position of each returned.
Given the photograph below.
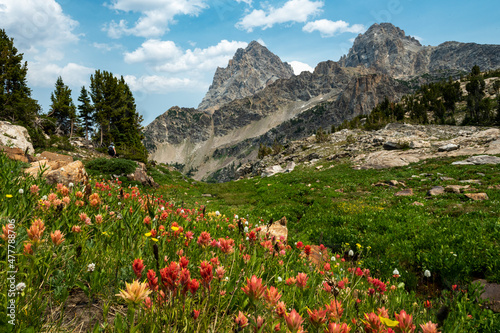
(191, 257)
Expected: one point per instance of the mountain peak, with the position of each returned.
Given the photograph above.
(248, 72)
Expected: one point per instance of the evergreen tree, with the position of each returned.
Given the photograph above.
(477, 109)
(16, 104)
(86, 112)
(116, 115)
(62, 108)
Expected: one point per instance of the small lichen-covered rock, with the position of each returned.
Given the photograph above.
(16, 154)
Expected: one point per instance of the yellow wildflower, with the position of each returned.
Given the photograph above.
(135, 292)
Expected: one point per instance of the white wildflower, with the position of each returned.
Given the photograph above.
(280, 279)
(44, 198)
(119, 203)
(20, 286)
(182, 211)
(217, 213)
(246, 229)
(427, 273)
(236, 217)
(247, 238)
(395, 271)
(21, 191)
(70, 185)
(333, 258)
(351, 253)
(91, 267)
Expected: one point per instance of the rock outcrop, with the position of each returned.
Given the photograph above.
(59, 171)
(389, 50)
(251, 70)
(14, 136)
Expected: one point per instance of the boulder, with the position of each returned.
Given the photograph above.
(15, 136)
(389, 145)
(456, 188)
(404, 193)
(47, 155)
(449, 147)
(477, 196)
(477, 160)
(491, 293)
(416, 203)
(59, 171)
(16, 154)
(141, 176)
(277, 230)
(436, 190)
(272, 170)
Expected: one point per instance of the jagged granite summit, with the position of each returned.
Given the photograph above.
(389, 50)
(251, 70)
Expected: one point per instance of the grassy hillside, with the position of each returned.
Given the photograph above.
(183, 264)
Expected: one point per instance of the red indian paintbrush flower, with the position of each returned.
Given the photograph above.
(204, 239)
(254, 288)
(405, 322)
(307, 249)
(294, 321)
(338, 328)
(334, 310)
(207, 274)
(317, 316)
(169, 275)
(152, 280)
(302, 280)
(57, 237)
(183, 262)
(138, 267)
(429, 328)
(272, 296)
(193, 286)
(281, 309)
(372, 323)
(241, 320)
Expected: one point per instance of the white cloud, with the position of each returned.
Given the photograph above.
(155, 84)
(248, 2)
(45, 75)
(39, 27)
(299, 67)
(166, 56)
(107, 47)
(156, 15)
(329, 28)
(292, 11)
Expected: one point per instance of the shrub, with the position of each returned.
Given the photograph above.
(116, 166)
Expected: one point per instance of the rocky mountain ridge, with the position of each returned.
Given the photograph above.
(227, 131)
(389, 50)
(251, 70)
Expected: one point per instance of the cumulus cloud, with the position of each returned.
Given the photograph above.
(155, 16)
(292, 11)
(299, 67)
(329, 28)
(155, 84)
(248, 2)
(39, 27)
(45, 75)
(166, 56)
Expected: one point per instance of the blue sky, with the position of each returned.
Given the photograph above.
(168, 50)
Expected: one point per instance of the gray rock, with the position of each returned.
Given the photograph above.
(456, 188)
(436, 190)
(491, 293)
(404, 193)
(449, 147)
(14, 136)
(477, 160)
(389, 145)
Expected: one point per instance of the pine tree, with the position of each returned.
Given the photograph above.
(116, 115)
(62, 108)
(86, 112)
(16, 104)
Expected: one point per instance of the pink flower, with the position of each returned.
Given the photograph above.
(405, 322)
(338, 328)
(429, 328)
(204, 239)
(241, 320)
(302, 280)
(293, 321)
(254, 288)
(317, 316)
(34, 189)
(57, 237)
(220, 271)
(334, 310)
(272, 296)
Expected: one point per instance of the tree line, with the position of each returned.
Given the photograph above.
(439, 103)
(106, 111)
